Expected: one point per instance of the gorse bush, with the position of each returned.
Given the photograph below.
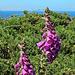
(30, 26)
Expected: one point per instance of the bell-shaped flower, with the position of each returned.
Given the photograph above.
(46, 46)
(48, 53)
(21, 60)
(24, 72)
(30, 70)
(54, 37)
(17, 65)
(49, 41)
(30, 66)
(53, 51)
(21, 53)
(44, 30)
(46, 19)
(44, 36)
(53, 31)
(25, 67)
(47, 23)
(40, 44)
(18, 73)
(26, 62)
(49, 34)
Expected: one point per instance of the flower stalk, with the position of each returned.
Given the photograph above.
(24, 63)
(51, 43)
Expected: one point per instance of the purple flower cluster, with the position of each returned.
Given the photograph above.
(24, 63)
(52, 43)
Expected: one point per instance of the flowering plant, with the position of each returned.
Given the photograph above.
(51, 43)
(24, 63)
(49, 46)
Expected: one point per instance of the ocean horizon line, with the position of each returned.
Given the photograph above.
(5, 14)
(36, 10)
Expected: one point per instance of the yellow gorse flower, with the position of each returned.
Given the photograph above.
(73, 46)
(0, 42)
(54, 65)
(64, 45)
(7, 47)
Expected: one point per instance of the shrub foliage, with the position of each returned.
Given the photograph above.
(29, 26)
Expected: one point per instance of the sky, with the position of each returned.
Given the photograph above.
(20, 5)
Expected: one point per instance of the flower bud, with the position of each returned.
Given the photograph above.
(42, 18)
(30, 66)
(44, 30)
(44, 36)
(17, 65)
(18, 72)
(47, 24)
(20, 60)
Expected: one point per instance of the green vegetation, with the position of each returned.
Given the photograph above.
(30, 26)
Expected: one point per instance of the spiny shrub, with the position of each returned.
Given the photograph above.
(30, 27)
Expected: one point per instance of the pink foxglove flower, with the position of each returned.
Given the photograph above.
(47, 23)
(30, 66)
(17, 65)
(18, 73)
(40, 44)
(44, 30)
(25, 63)
(25, 67)
(46, 46)
(24, 72)
(44, 36)
(49, 34)
(52, 44)
(49, 41)
(46, 19)
(48, 53)
(42, 18)
(20, 60)
(30, 71)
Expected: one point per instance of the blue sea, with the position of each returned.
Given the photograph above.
(5, 14)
